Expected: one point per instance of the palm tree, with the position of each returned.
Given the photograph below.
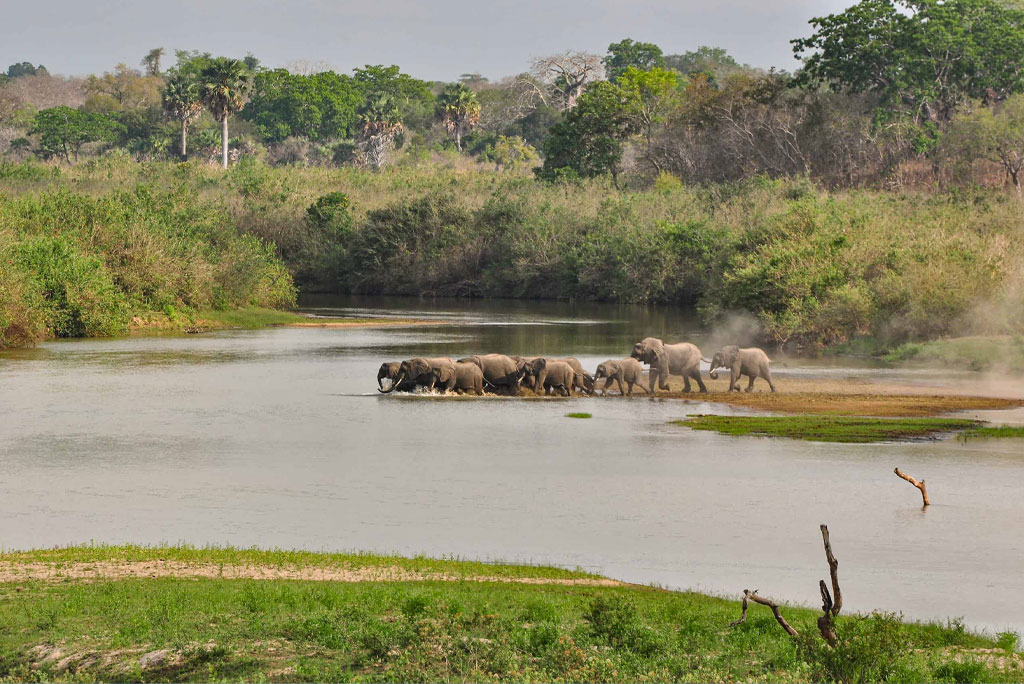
(459, 110)
(381, 121)
(224, 84)
(182, 101)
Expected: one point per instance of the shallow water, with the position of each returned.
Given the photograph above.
(278, 438)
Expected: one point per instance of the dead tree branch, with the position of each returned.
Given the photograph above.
(919, 485)
(829, 607)
(833, 571)
(752, 596)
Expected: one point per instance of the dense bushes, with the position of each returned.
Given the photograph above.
(73, 265)
(811, 267)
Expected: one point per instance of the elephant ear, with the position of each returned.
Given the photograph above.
(446, 373)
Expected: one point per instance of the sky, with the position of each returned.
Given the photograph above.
(429, 39)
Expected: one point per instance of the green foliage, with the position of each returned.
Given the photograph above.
(224, 85)
(320, 106)
(81, 299)
(412, 97)
(458, 110)
(628, 54)
(923, 57)
(715, 62)
(62, 131)
(81, 266)
(589, 140)
(870, 649)
(25, 69)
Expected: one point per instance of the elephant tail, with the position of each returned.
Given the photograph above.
(708, 361)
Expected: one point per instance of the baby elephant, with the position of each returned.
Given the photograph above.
(629, 370)
(751, 362)
(469, 378)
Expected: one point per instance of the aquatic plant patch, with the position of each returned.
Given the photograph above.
(827, 428)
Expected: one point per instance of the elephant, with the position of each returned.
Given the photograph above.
(752, 362)
(469, 378)
(557, 375)
(390, 370)
(499, 371)
(425, 372)
(670, 359)
(534, 372)
(629, 370)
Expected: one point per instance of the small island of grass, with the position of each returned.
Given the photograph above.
(828, 428)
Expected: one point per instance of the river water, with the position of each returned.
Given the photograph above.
(277, 438)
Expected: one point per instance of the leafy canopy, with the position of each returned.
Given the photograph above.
(62, 131)
(320, 106)
(627, 53)
(225, 84)
(924, 57)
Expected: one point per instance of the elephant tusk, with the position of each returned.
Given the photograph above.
(394, 383)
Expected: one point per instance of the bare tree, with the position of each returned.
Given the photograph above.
(559, 80)
(308, 67)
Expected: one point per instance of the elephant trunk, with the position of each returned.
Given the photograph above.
(394, 384)
(713, 374)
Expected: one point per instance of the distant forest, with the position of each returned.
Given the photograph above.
(890, 93)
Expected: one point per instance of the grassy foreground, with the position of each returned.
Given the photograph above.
(516, 625)
(823, 428)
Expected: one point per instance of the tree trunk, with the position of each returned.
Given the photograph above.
(224, 140)
(458, 139)
(184, 140)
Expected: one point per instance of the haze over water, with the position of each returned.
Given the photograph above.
(279, 438)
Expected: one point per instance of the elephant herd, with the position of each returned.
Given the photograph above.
(501, 374)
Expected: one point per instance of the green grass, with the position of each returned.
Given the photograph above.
(218, 630)
(820, 428)
(992, 431)
(578, 414)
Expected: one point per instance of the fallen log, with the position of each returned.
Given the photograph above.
(752, 595)
(919, 485)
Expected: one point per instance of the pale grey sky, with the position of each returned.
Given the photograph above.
(430, 39)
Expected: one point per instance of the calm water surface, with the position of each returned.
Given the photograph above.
(278, 438)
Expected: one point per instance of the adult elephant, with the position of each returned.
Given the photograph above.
(535, 372)
(628, 370)
(427, 373)
(469, 378)
(558, 376)
(500, 371)
(669, 359)
(389, 370)
(752, 362)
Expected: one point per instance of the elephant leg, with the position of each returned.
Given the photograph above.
(629, 384)
(700, 382)
(663, 379)
(618, 379)
(686, 382)
(734, 378)
(640, 384)
(607, 384)
(750, 385)
(767, 375)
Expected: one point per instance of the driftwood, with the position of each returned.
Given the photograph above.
(919, 485)
(830, 607)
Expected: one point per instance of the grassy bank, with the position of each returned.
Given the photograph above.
(803, 265)
(1002, 354)
(513, 627)
(249, 318)
(818, 428)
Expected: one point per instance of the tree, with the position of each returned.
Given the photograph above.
(320, 106)
(412, 97)
(182, 100)
(656, 92)
(458, 110)
(381, 122)
(26, 69)
(224, 85)
(588, 142)
(922, 57)
(560, 79)
(626, 54)
(123, 89)
(992, 133)
(713, 61)
(62, 131)
(152, 61)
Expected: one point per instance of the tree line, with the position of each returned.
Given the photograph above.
(889, 92)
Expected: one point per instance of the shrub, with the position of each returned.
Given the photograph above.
(869, 650)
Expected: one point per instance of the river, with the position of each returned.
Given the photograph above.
(277, 438)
